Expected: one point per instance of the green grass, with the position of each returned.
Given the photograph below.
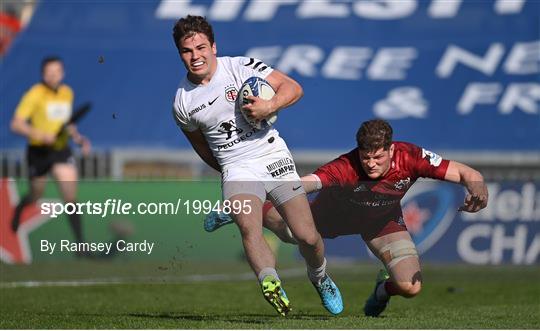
(161, 296)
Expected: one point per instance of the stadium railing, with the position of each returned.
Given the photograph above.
(143, 163)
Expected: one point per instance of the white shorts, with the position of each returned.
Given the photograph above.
(273, 175)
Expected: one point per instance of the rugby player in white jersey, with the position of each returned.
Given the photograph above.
(254, 164)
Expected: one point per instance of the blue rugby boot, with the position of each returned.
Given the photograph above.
(374, 307)
(275, 295)
(214, 220)
(330, 295)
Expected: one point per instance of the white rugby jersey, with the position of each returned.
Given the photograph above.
(211, 108)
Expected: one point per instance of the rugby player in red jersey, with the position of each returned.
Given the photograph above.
(360, 193)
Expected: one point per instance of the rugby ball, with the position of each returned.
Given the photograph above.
(255, 86)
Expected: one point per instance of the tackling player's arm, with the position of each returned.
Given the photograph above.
(311, 183)
(200, 145)
(326, 175)
(477, 196)
(288, 92)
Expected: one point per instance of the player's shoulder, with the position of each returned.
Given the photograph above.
(405, 147)
(410, 156)
(406, 152)
(343, 169)
(348, 160)
(234, 63)
(229, 62)
(249, 64)
(406, 155)
(234, 60)
(185, 85)
(350, 156)
(183, 89)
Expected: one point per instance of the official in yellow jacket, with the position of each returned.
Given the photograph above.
(41, 117)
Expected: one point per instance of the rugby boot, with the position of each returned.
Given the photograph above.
(214, 220)
(330, 295)
(373, 306)
(275, 295)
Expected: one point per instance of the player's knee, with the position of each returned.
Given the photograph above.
(397, 251)
(408, 289)
(311, 240)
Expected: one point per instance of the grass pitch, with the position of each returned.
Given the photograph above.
(201, 296)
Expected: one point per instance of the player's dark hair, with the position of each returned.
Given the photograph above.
(374, 134)
(49, 59)
(189, 26)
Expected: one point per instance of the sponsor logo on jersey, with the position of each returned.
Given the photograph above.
(377, 201)
(281, 168)
(231, 93)
(212, 101)
(229, 128)
(196, 110)
(434, 159)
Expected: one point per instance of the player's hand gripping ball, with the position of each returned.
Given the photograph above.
(255, 86)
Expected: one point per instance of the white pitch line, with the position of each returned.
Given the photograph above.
(146, 280)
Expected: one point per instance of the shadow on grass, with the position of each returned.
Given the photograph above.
(241, 318)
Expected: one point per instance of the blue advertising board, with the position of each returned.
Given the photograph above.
(507, 231)
(448, 74)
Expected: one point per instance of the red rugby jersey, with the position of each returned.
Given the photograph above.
(349, 196)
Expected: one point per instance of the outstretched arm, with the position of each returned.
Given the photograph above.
(311, 183)
(200, 145)
(288, 92)
(477, 196)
